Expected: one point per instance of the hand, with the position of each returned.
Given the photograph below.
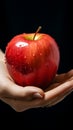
(19, 98)
(61, 86)
(23, 98)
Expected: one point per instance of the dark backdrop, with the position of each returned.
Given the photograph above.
(18, 16)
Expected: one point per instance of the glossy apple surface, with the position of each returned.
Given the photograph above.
(32, 62)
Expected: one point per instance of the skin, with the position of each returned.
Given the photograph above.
(24, 98)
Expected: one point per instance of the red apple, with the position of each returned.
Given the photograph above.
(32, 59)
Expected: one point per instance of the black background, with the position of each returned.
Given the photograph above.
(19, 16)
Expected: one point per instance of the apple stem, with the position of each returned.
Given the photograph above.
(39, 28)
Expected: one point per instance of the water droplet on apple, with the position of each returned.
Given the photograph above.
(33, 55)
(40, 54)
(24, 57)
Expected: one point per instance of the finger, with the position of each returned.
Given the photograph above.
(52, 86)
(58, 99)
(61, 89)
(57, 92)
(63, 77)
(60, 79)
(15, 91)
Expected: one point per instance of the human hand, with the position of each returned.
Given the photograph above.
(61, 86)
(19, 98)
(23, 98)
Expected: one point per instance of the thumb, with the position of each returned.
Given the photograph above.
(28, 92)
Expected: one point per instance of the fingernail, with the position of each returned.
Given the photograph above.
(37, 95)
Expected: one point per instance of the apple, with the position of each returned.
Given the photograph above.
(32, 59)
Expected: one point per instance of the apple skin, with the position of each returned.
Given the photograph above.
(32, 62)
